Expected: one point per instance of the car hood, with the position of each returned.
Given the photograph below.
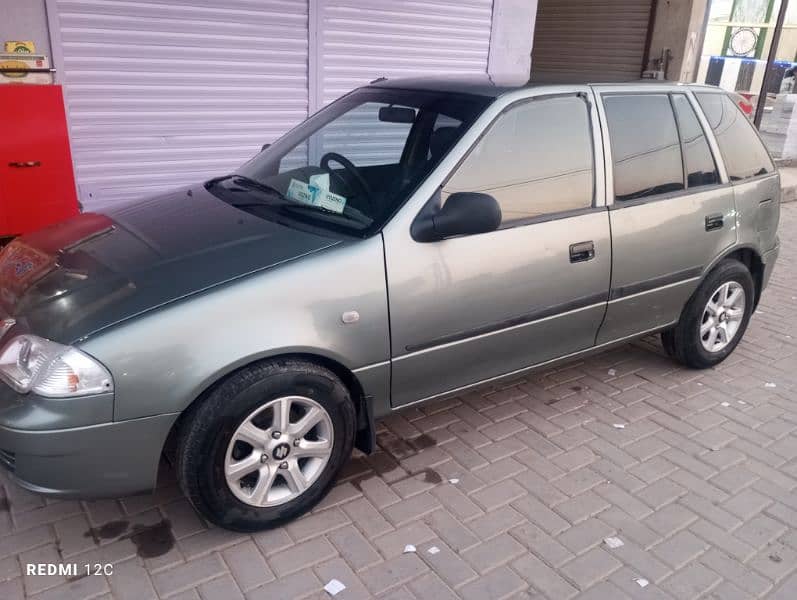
(75, 278)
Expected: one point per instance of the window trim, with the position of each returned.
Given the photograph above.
(434, 201)
(668, 196)
(683, 146)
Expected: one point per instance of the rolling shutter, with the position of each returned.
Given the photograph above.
(360, 40)
(589, 40)
(161, 93)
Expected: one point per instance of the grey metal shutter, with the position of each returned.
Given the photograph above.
(589, 40)
(162, 93)
(360, 40)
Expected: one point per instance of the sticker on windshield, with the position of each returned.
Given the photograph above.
(330, 201)
(299, 191)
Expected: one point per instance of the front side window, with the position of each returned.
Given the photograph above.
(742, 150)
(535, 159)
(698, 161)
(646, 150)
(350, 166)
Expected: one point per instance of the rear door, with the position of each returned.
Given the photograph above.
(671, 209)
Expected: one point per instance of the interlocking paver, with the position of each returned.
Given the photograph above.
(498, 584)
(704, 496)
(388, 574)
(691, 582)
(591, 567)
(680, 549)
(543, 577)
(247, 565)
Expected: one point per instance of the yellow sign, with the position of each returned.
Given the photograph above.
(17, 47)
(16, 65)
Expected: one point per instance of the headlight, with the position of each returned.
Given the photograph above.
(29, 363)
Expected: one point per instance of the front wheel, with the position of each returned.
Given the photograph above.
(266, 444)
(715, 318)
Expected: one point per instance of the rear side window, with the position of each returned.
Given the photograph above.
(646, 150)
(742, 150)
(698, 161)
(535, 159)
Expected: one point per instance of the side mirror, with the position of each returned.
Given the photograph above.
(264, 147)
(464, 213)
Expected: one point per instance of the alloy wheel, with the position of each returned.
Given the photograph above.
(722, 316)
(278, 451)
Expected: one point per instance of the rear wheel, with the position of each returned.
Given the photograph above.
(715, 318)
(266, 444)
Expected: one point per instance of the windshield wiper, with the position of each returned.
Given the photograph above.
(246, 182)
(257, 185)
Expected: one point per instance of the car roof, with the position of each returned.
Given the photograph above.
(492, 86)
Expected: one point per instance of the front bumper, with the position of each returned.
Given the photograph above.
(95, 461)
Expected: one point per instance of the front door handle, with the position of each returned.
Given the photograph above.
(714, 222)
(581, 252)
(24, 164)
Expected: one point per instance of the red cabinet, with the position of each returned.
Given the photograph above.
(37, 185)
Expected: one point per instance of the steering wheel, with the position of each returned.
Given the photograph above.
(362, 184)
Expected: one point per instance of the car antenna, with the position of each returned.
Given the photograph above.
(378, 79)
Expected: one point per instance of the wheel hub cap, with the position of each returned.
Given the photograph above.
(278, 451)
(722, 316)
(281, 452)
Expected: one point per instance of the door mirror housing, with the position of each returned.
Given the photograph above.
(264, 147)
(464, 213)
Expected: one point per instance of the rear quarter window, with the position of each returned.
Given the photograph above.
(740, 146)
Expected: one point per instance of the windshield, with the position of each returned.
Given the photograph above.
(353, 164)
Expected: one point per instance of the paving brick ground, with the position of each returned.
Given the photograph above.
(700, 485)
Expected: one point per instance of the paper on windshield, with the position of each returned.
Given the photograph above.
(299, 191)
(332, 202)
(316, 193)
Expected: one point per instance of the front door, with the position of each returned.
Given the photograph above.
(671, 215)
(468, 309)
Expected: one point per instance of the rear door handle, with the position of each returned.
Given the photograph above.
(714, 222)
(582, 251)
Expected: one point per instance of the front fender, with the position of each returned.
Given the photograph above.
(163, 360)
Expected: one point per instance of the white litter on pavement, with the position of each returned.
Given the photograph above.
(741, 402)
(433, 550)
(453, 480)
(725, 403)
(613, 542)
(612, 372)
(334, 587)
(641, 581)
(769, 384)
(409, 548)
(619, 425)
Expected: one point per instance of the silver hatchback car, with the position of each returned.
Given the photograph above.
(411, 240)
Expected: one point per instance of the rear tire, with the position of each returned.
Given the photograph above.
(714, 320)
(265, 445)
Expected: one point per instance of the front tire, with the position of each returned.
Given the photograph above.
(714, 320)
(265, 445)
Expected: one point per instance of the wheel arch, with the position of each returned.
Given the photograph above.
(365, 435)
(751, 258)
